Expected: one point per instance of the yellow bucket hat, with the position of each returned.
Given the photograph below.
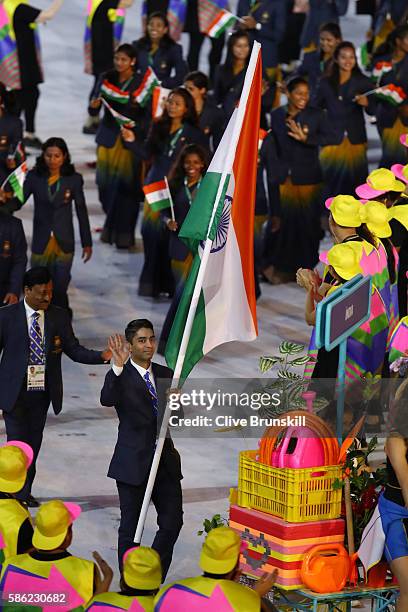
(344, 258)
(142, 568)
(345, 210)
(52, 522)
(378, 217)
(378, 182)
(400, 172)
(220, 551)
(15, 459)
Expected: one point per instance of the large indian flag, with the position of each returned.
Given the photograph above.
(218, 303)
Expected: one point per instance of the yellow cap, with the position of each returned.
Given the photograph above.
(142, 568)
(345, 210)
(378, 182)
(52, 522)
(378, 217)
(345, 259)
(220, 551)
(13, 467)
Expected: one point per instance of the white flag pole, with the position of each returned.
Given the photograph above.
(173, 218)
(238, 116)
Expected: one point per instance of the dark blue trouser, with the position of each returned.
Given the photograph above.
(167, 499)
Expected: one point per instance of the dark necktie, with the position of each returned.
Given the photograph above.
(152, 392)
(37, 356)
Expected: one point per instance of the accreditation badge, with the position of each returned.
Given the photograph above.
(36, 377)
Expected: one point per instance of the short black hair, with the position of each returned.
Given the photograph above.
(133, 327)
(199, 79)
(292, 83)
(36, 276)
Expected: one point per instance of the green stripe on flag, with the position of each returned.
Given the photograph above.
(195, 226)
(194, 350)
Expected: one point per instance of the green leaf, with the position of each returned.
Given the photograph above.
(338, 484)
(200, 533)
(290, 348)
(289, 375)
(266, 363)
(299, 361)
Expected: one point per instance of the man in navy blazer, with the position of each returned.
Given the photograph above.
(137, 388)
(25, 410)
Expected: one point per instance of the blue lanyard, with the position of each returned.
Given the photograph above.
(188, 191)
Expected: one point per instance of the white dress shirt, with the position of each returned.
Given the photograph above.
(118, 371)
(29, 315)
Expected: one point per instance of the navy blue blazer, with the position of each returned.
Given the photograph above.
(321, 11)
(346, 118)
(14, 348)
(212, 123)
(138, 425)
(271, 16)
(161, 161)
(55, 215)
(294, 159)
(312, 68)
(13, 255)
(109, 129)
(386, 113)
(267, 191)
(177, 248)
(11, 133)
(167, 62)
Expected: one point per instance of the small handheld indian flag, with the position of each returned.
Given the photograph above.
(158, 196)
(160, 95)
(392, 93)
(261, 137)
(145, 90)
(113, 94)
(121, 119)
(381, 68)
(220, 23)
(16, 181)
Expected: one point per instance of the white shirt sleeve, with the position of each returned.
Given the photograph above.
(117, 371)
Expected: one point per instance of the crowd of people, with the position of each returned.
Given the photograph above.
(313, 179)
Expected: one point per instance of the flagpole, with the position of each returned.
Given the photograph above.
(367, 93)
(173, 218)
(240, 112)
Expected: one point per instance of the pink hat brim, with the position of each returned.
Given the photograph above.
(365, 192)
(328, 202)
(323, 258)
(404, 140)
(127, 552)
(397, 171)
(26, 448)
(73, 509)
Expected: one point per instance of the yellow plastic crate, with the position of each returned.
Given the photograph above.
(295, 495)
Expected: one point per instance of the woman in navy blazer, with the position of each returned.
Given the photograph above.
(316, 63)
(390, 67)
(159, 51)
(184, 181)
(341, 94)
(56, 187)
(118, 174)
(298, 131)
(177, 127)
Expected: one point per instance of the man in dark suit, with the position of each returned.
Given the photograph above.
(136, 387)
(33, 336)
(13, 258)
